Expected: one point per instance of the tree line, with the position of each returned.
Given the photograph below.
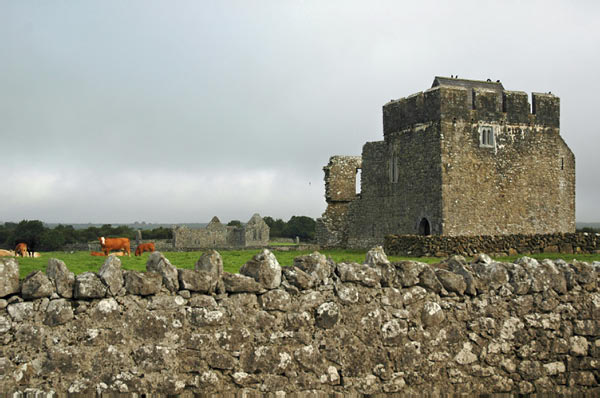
(41, 238)
(300, 226)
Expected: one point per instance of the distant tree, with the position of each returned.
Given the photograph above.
(158, 233)
(234, 223)
(301, 226)
(68, 232)
(30, 232)
(51, 240)
(589, 230)
(7, 231)
(276, 227)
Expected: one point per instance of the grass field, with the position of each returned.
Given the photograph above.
(80, 262)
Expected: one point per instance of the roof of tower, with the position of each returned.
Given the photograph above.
(466, 83)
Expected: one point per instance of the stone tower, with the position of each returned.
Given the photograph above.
(465, 157)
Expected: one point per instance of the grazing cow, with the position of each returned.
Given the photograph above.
(21, 250)
(109, 244)
(144, 247)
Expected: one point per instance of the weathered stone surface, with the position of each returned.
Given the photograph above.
(376, 256)
(482, 258)
(458, 265)
(327, 315)
(451, 281)
(263, 268)
(197, 281)
(58, 312)
(275, 300)
(335, 337)
(210, 261)
(142, 283)
(112, 275)
(158, 263)
(315, 265)
(202, 300)
(377, 259)
(9, 276)
(61, 277)
(429, 280)
(432, 314)
(5, 324)
(358, 273)
(492, 275)
(89, 286)
(36, 285)
(20, 312)
(408, 272)
(298, 278)
(207, 317)
(347, 294)
(166, 302)
(236, 283)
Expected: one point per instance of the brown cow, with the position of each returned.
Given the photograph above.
(109, 244)
(97, 253)
(144, 247)
(21, 250)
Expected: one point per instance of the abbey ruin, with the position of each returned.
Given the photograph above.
(254, 233)
(465, 157)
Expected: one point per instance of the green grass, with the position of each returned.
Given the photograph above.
(80, 262)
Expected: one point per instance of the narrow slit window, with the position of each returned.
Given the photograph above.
(394, 168)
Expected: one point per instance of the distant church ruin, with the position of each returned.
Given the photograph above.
(255, 233)
(465, 157)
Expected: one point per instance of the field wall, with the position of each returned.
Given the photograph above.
(501, 245)
(318, 326)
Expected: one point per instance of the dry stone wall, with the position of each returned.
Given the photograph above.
(317, 326)
(501, 245)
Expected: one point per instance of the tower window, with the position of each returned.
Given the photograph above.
(486, 137)
(394, 168)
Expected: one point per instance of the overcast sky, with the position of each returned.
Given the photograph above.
(175, 111)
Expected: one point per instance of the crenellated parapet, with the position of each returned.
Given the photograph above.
(450, 103)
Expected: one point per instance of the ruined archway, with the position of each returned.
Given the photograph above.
(424, 227)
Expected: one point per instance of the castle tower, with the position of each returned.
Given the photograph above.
(465, 157)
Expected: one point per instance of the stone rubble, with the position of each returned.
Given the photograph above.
(318, 327)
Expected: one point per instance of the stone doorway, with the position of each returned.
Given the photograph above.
(424, 227)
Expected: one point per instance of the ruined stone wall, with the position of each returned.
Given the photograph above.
(401, 186)
(216, 235)
(340, 190)
(408, 327)
(500, 245)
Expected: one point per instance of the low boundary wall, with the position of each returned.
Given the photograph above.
(499, 245)
(318, 327)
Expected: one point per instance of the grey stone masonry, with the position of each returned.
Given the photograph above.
(463, 158)
(478, 327)
(255, 233)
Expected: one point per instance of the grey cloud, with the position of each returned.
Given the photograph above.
(211, 94)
